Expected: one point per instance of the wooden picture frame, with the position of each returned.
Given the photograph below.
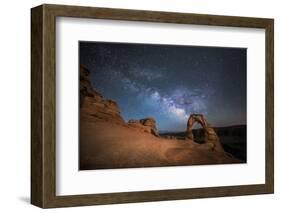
(43, 105)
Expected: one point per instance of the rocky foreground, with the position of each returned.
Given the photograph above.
(107, 141)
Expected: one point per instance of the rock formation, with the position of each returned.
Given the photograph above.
(210, 137)
(93, 105)
(146, 125)
(106, 141)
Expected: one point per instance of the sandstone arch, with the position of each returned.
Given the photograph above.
(210, 136)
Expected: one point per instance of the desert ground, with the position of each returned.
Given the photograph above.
(110, 145)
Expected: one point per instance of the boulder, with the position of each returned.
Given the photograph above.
(150, 122)
(147, 125)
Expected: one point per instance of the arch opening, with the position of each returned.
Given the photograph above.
(206, 135)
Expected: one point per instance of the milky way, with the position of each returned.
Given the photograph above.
(170, 82)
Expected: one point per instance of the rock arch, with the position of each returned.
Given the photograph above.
(210, 136)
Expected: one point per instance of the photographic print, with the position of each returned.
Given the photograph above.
(152, 105)
(176, 103)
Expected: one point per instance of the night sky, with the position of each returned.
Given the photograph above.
(170, 82)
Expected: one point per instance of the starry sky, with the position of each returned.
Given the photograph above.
(170, 82)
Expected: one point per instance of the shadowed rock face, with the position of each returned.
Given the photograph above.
(92, 103)
(210, 138)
